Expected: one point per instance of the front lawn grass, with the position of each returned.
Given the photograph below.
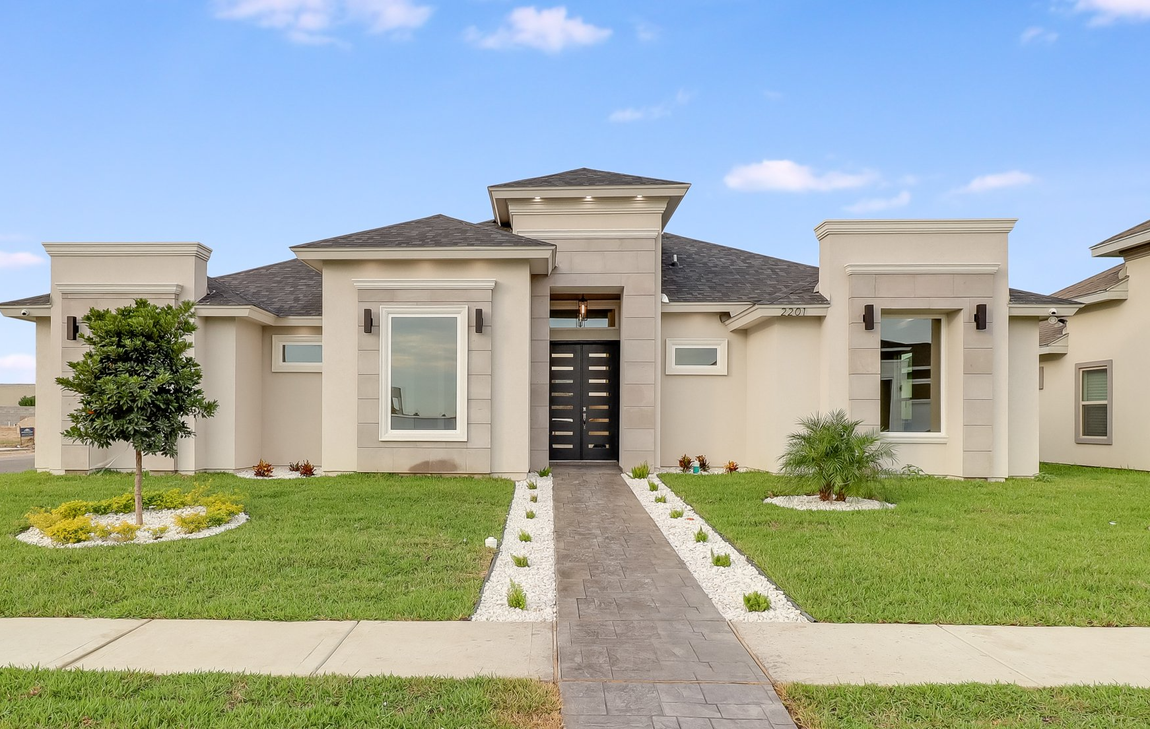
(966, 706)
(367, 547)
(1021, 552)
(33, 699)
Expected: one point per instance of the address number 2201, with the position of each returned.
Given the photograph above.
(794, 312)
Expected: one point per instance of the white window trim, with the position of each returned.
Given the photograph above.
(386, 313)
(278, 364)
(674, 369)
(1108, 439)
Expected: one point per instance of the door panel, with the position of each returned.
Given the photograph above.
(584, 407)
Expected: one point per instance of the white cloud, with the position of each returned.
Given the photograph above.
(646, 32)
(311, 21)
(997, 181)
(783, 175)
(18, 368)
(19, 259)
(1106, 12)
(1037, 34)
(647, 113)
(548, 30)
(874, 204)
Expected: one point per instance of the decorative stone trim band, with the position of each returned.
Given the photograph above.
(424, 283)
(922, 268)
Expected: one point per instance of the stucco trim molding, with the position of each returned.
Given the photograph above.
(256, 314)
(1043, 310)
(917, 227)
(119, 289)
(922, 268)
(72, 250)
(540, 258)
(477, 284)
(549, 234)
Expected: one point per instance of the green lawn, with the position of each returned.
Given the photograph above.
(1016, 553)
(967, 706)
(371, 547)
(31, 699)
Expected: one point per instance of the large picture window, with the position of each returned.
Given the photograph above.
(424, 373)
(1095, 397)
(911, 387)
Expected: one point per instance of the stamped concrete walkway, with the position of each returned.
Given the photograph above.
(640, 644)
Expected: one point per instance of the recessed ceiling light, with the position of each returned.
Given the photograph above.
(537, 198)
(588, 198)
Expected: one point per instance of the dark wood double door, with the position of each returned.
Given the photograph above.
(584, 403)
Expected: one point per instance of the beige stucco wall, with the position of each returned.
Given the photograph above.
(608, 245)
(10, 394)
(704, 414)
(941, 268)
(498, 390)
(1024, 394)
(217, 352)
(291, 415)
(1113, 330)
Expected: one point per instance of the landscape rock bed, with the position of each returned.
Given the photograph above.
(153, 518)
(724, 585)
(277, 472)
(537, 579)
(813, 503)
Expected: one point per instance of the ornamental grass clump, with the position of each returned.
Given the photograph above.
(652, 486)
(720, 560)
(701, 536)
(520, 560)
(661, 499)
(676, 513)
(756, 602)
(833, 454)
(524, 536)
(641, 471)
(534, 498)
(530, 514)
(545, 472)
(516, 597)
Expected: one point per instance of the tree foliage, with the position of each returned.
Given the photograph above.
(831, 451)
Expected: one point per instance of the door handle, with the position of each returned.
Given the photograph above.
(584, 416)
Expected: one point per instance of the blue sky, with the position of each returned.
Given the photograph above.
(253, 125)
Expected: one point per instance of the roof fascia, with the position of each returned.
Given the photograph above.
(500, 195)
(888, 227)
(730, 308)
(754, 314)
(1118, 247)
(252, 313)
(1043, 310)
(34, 312)
(72, 250)
(541, 258)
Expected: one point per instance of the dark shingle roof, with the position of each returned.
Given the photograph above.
(41, 300)
(1140, 228)
(708, 272)
(1048, 332)
(288, 288)
(587, 177)
(436, 231)
(1096, 283)
(1018, 296)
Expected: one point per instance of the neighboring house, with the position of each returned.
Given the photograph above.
(1095, 391)
(572, 327)
(11, 394)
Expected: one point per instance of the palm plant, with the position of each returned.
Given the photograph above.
(831, 451)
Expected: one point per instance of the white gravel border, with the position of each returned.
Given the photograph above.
(277, 472)
(538, 578)
(724, 585)
(814, 503)
(152, 518)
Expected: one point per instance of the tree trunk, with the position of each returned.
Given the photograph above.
(139, 489)
(825, 492)
(841, 496)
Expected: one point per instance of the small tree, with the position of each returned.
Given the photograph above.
(27, 401)
(137, 383)
(831, 451)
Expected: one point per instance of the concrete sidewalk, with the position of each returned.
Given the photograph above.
(363, 648)
(830, 653)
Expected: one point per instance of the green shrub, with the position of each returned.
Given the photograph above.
(42, 519)
(834, 455)
(27, 401)
(545, 472)
(652, 486)
(531, 485)
(701, 536)
(756, 602)
(520, 560)
(170, 499)
(720, 560)
(157, 532)
(516, 597)
(661, 499)
(192, 523)
(72, 509)
(123, 504)
(524, 536)
(70, 531)
(530, 514)
(642, 470)
(676, 513)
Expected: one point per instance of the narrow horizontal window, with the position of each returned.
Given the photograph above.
(297, 353)
(696, 357)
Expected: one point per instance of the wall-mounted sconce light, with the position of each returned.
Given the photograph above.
(868, 317)
(980, 317)
(71, 328)
(367, 323)
(479, 321)
(582, 311)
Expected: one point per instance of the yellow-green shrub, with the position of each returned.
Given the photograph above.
(42, 519)
(72, 509)
(192, 523)
(170, 499)
(70, 531)
(122, 532)
(157, 532)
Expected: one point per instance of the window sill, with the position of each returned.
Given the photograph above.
(932, 438)
(1080, 440)
(425, 437)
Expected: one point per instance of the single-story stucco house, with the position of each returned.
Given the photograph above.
(572, 326)
(1095, 392)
